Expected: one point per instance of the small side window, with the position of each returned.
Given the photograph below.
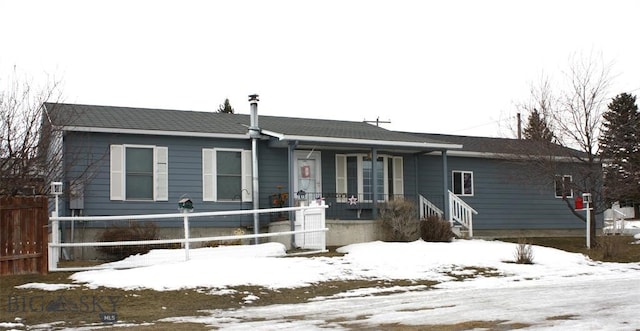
(462, 182)
(563, 184)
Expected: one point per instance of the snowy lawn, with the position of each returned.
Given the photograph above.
(477, 281)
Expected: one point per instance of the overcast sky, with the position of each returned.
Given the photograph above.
(457, 67)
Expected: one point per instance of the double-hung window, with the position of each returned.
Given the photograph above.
(226, 174)
(354, 177)
(462, 182)
(563, 186)
(138, 172)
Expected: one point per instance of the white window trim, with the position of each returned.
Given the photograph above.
(473, 189)
(118, 172)
(210, 174)
(341, 181)
(570, 196)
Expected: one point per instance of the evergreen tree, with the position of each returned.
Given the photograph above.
(537, 128)
(620, 148)
(226, 107)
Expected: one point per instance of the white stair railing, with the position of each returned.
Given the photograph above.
(427, 209)
(461, 212)
(617, 225)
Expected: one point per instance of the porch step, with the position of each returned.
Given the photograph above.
(459, 231)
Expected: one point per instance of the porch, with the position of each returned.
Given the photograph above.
(362, 207)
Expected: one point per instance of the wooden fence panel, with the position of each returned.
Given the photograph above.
(23, 235)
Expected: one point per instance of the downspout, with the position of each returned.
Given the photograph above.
(445, 185)
(254, 133)
(292, 159)
(416, 164)
(374, 186)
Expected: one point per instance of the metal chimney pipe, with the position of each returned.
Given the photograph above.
(254, 133)
(254, 129)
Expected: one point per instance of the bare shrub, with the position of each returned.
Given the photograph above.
(399, 221)
(133, 231)
(610, 247)
(524, 252)
(436, 229)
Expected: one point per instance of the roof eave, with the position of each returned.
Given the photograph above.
(504, 156)
(155, 132)
(355, 141)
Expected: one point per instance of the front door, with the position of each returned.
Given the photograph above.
(307, 174)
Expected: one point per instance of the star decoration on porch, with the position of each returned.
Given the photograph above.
(352, 200)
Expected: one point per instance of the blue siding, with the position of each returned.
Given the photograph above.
(505, 195)
(184, 173)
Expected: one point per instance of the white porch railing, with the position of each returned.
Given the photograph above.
(428, 208)
(313, 218)
(617, 224)
(461, 212)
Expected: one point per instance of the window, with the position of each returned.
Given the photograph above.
(138, 172)
(563, 185)
(462, 182)
(354, 176)
(226, 175)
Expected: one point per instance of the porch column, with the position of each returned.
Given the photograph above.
(445, 184)
(291, 165)
(374, 185)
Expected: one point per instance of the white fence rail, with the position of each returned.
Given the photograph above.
(310, 218)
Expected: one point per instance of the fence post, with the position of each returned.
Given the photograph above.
(186, 236)
(54, 253)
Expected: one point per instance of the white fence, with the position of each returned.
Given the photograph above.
(310, 220)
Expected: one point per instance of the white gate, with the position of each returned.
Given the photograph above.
(307, 219)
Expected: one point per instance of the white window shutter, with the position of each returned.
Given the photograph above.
(341, 176)
(116, 177)
(208, 175)
(162, 173)
(247, 176)
(398, 174)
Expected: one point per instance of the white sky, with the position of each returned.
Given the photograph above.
(434, 66)
(590, 295)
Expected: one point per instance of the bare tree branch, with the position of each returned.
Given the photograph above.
(20, 114)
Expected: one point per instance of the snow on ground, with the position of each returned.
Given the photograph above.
(47, 287)
(560, 290)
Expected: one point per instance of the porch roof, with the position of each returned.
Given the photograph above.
(489, 147)
(114, 119)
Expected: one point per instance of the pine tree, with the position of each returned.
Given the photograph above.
(226, 107)
(537, 128)
(620, 148)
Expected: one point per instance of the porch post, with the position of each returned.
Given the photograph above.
(445, 185)
(374, 185)
(292, 159)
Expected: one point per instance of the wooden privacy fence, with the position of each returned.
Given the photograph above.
(23, 235)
